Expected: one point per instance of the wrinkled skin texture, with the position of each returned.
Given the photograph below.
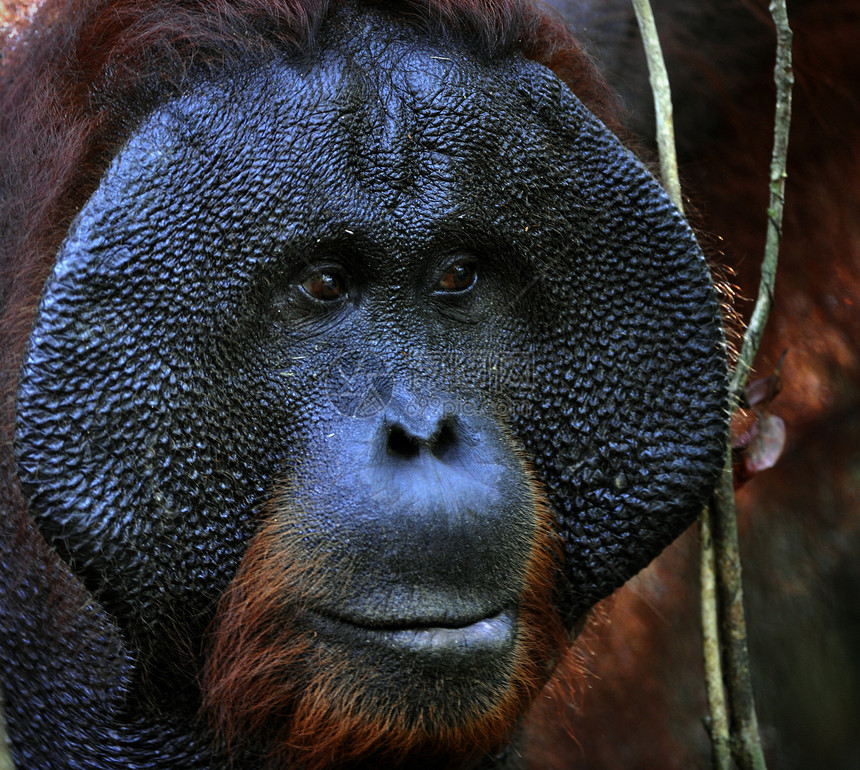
(251, 325)
(799, 521)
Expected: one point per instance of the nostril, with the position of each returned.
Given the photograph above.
(443, 441)
(406, 445)
(401, 444)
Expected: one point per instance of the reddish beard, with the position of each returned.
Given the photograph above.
(276, 690)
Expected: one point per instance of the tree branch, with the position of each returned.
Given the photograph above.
(723, 555)
(746, 744)
(784, 79)
(718, 723)
(659, 79)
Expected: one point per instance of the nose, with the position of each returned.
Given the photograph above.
(432, 432)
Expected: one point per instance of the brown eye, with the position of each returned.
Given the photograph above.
(459, 277)
(325, 286)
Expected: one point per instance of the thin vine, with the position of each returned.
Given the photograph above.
(733, 724)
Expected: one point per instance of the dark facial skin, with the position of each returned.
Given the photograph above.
(371, 297)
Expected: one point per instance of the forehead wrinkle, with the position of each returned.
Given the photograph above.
(386, 137)
(391, 145)
(439, 127)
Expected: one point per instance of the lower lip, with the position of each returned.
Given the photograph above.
(493, 633)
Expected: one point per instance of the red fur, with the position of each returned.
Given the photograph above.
(271, 687)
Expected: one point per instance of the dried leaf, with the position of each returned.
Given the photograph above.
(762, 391)
(767, 445)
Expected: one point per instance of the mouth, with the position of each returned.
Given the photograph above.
(491, 634)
